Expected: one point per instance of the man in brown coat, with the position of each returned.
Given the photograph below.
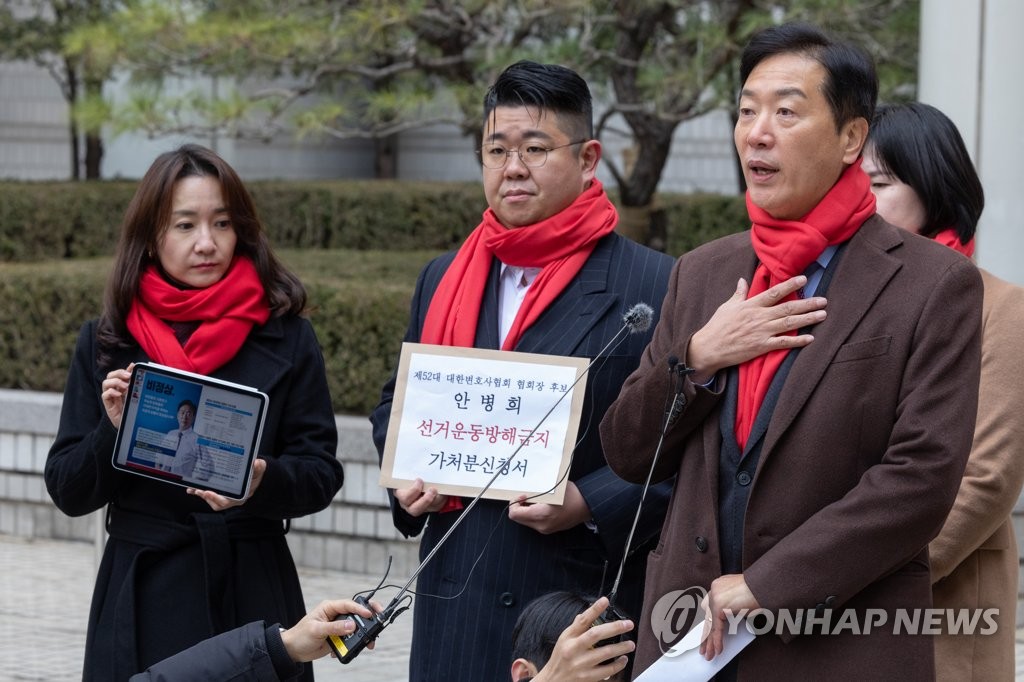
(820, 416)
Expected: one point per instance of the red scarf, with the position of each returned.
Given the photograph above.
(559, 245)
(785, 249)
(227, 310)
(948, 237)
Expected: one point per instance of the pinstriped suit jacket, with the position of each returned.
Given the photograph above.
(465, 631)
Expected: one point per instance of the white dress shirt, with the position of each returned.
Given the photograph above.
(515, 282)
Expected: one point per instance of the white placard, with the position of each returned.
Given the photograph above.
(460, 415)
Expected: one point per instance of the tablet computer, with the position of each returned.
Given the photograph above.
(190, 430)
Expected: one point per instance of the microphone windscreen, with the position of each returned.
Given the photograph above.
(639, 318)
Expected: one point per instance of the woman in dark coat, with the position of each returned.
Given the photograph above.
(194, 285)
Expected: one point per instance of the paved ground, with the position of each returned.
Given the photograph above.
(45, 587)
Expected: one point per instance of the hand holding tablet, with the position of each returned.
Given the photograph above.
(191, 430)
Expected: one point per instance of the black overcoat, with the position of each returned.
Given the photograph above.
(174, 572)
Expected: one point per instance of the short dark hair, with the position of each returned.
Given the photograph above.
(541, 623)
(851, 84)
(550, 88)
(185, 402)
(920, 145)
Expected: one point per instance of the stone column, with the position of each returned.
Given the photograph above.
(971, 60)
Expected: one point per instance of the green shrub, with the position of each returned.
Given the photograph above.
(49, 220)
(352, 243)
(40, 220)
(359, 306)
(42, 306)
(53, 220)
(368, 214)
(695, 219)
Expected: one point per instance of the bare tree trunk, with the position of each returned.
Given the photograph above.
(647, 224)
(93, 155)
(93, 139)
(641, 220)
(385, 157)
(71, 94)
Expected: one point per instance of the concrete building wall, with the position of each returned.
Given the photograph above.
(702, 157)
(354, 533)
(34, 136)
(34, 145)
(971, 56)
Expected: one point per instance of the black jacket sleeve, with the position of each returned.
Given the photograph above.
(251, 653)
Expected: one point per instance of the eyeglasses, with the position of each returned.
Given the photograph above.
(495, 156)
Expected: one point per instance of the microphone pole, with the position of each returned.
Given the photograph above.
(671, 414)
(636, 320)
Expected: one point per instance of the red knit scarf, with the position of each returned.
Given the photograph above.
(785, 249)
(949, 237)
(227, 311)
(559, 245)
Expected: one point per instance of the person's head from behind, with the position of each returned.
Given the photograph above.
(921, 173)
(186, 414)
(537, 151)
(538, 628)
(804, 106)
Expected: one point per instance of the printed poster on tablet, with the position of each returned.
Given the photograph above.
(190, 429)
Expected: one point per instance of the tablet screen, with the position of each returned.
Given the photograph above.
(190, 430)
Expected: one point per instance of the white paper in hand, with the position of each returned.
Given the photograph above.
(683, 662)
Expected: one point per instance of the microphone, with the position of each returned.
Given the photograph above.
(636, 320)
(679, 370)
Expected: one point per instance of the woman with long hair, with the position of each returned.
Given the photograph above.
(194, 285)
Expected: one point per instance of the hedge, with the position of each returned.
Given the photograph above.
(358, 247)
(66, 220)
(42, 306)
(49, 220)
(359, 306)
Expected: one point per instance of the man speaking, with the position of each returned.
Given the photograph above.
(831, 391)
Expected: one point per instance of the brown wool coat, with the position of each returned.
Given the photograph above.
(974, 559)
(860, 464)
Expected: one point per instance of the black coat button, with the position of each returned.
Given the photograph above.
(819, 609)
(702, 544)
(507, 599)
(743, 478)
(829, 601)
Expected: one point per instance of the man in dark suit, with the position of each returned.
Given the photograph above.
(543, 273)
(820, 435)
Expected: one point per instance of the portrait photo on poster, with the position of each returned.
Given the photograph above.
(464, 416)
(190, 430)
